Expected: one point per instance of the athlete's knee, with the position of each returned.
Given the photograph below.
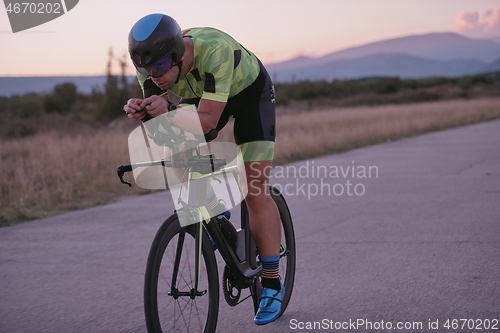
(258, 180)
(257, 187)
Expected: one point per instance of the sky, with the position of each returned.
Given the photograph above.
(78, 42)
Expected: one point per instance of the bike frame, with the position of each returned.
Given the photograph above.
(242, 261)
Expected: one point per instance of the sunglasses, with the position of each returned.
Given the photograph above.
(158, 69)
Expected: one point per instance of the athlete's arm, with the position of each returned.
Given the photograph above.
(207, 116)
(209, 112)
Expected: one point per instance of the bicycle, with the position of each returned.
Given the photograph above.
(181, 290)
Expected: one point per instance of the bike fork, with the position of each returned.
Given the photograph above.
(195, 291)
(198, 242)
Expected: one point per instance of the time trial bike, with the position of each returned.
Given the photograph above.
(181, 289)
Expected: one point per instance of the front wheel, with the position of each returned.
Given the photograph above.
(172, 302)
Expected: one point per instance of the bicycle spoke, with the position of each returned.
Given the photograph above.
(180, 306)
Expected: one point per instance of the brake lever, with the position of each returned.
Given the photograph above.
(121, 172)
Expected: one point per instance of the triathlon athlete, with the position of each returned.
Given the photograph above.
(208, 69)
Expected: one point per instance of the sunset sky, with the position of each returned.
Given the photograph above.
(77, 43)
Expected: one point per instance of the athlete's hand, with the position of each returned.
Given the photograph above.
(155, 105)
(134, 109)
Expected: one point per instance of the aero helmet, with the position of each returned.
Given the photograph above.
(155, 44)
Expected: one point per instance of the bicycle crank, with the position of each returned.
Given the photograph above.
(232, 291)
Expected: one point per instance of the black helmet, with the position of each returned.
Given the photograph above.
(155, 37)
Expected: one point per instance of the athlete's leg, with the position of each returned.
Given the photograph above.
(265, 225)
(254, 132)
(263, 213)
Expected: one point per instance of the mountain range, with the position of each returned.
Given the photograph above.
(18, 85)
(417, 56)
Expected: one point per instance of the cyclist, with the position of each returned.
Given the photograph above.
(211, 71)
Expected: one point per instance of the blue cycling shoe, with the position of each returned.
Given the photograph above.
(270, 305)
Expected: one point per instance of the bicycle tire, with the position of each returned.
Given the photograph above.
(287, 262)
(164, 312)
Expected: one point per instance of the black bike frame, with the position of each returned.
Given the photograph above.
(242, 261)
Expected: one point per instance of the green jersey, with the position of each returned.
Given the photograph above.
(221, 67)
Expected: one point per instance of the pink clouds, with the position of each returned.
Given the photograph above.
(472, 25)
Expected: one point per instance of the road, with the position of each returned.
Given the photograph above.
(412, 239)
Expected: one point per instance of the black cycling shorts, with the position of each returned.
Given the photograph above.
(254, 117)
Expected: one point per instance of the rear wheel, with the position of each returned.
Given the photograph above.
(172, 301)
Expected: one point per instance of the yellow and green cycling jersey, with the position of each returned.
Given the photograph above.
(224, 71)
(221, 67)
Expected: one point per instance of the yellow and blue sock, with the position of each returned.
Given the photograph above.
(215, 206)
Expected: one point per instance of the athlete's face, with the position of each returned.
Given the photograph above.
(167, 80)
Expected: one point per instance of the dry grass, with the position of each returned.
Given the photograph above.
(52, 172)
(55, 171)
(307, 134)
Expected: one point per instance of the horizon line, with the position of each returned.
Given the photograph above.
(270, 63)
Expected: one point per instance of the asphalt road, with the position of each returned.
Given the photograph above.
(416, 242)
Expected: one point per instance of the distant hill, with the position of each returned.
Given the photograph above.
(44, 84)
(495, 66)
(416, 56)
(496, 40)
(434, 54)
(435, 46)
(391, 64)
